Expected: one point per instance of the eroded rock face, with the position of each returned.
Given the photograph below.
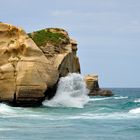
(24, 70)
(27, 71)
(59, 49)
(92, 82)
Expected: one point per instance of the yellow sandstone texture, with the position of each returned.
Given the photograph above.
(32, 63)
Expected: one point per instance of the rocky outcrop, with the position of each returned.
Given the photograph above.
(58, 48)
(31, 65)
(60, 51)
(93, 86)
(92, 82)
(102, 92)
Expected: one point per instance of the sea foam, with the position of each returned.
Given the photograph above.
(99, 99)
(135, 111)
(71, 92)
(5, 109)
(137, 101)
(120, 97)
(107, 98)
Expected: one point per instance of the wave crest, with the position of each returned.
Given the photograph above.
(107, 98)
(135, 111)
(137, 101)
(5, 109)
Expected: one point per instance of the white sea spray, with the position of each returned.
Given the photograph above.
(71, 92)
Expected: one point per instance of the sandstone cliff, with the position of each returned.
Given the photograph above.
(30, 65)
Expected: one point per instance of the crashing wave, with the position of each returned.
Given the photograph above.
(71, 92)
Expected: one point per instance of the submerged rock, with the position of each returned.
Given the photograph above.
(93, 86)
(32, 64)
(101, 92)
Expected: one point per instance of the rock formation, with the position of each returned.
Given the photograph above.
(92, 82)
(60, 51)
(58, 48)
(93, 86)
(31, 67)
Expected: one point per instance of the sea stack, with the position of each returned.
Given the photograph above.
(93, 86)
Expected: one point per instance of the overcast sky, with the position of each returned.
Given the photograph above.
(107, 31)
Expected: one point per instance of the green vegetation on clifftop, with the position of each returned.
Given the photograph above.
(47, 36)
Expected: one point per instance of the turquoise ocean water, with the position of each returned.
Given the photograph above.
(111, 118)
